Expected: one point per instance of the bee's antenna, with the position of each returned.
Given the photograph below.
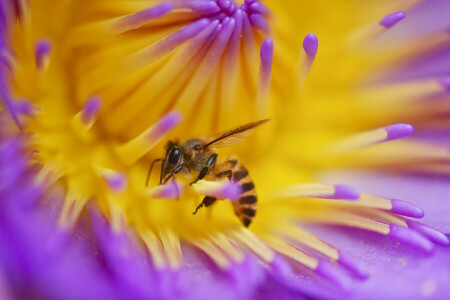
(150, 171)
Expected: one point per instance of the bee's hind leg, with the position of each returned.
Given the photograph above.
(207, 201)
(228, 173)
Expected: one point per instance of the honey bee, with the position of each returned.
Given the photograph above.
(197, 157)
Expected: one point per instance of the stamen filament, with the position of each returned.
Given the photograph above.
(71, 210)
(213, 252)
(227, 246)
(155, 248)
(171, 243)
(393, 205)
(133, 150)
(265, 72)
(136, 20)
(369, 32)
(299, 235)
(325, 191)
(293, 253)
(307, 57)
(367, 139)
(400, 233)
(84, 120)
(252, 242)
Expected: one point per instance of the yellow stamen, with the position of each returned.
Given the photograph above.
(171, 243)
(353, 220)
(256, 245)
(358, 141)
(382, 216)
(308, 239)
(293, 253)
(155, 248)
(367, 200)
(227, 246)
(307, 190)
(213, 252)
(71, 210)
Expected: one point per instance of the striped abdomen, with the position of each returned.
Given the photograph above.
(245, 208)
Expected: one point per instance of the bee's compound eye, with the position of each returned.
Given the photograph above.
(174, 156)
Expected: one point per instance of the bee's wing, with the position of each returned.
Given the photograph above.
(233, 136)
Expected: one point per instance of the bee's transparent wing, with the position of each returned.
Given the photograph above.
(233, 136)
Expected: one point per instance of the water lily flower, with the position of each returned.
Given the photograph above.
(350, 174)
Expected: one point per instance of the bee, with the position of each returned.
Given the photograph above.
(198, 158)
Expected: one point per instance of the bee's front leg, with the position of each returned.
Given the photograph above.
(209, 165)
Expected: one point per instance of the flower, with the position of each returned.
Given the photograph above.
(88, 102)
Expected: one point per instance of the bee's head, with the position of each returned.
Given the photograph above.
(172, 159)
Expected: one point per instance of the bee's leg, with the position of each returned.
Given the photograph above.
(228, 173)
(207, 201)
(209, 164)
(174, 172)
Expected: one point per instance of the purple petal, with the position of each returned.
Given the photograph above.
(413, 274)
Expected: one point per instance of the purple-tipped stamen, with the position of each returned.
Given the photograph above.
(406, 209)
(233, 48)
(434, 235)
(201, 6)
(392, 19)
(310, 45)
(166, 124)
(171, 190)
(42, 50)
(247, 31)
(224, 4)
(90, 109)
(266, 56)
(350, 264)
(116, 181)
(411, 238)
(26, 108)
(398, 131)
(259, 8)
(260, 23)
(173, 41)
(345, 192)
(220, 43)
(140, 18)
